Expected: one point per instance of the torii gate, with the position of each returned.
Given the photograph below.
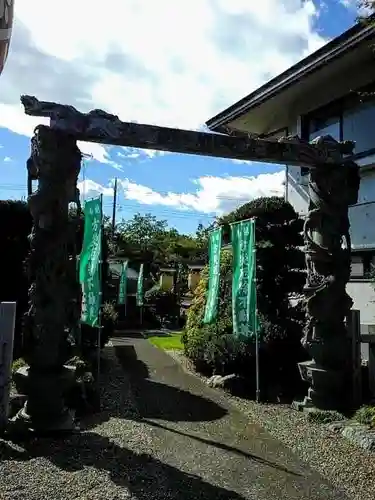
(55, 162)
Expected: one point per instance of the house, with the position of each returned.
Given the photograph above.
(328, 92)
(115, 267)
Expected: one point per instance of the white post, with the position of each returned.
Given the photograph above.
(354, 331)
(7, 325)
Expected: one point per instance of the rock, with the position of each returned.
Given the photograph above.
(20, 378)
(297, 405)
(16, 402)
(223, 382)
(336, 426)
(360, 435)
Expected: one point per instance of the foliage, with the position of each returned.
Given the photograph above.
(16, 227)
(146, 239)
(280, 273)
(90, 335)
(142, 239)
(163, 305)
(366, 9)
(365, 415)
(109, 312)
(324, 416)
(17, 364)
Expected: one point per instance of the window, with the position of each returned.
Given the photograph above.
(358, 126)
(362, 265)
(347, 119)
(357, 269)
(326, 126)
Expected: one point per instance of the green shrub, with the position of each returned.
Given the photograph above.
(14, 258)
(280, 272)
(162, 305)
(365, 415)
(17, 364)
(324, 416)
(90, 334)
(16, 223)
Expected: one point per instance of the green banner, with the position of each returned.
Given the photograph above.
(140, 287)
(90, 261)
(244, 303)
(122, 292)
(214, 251)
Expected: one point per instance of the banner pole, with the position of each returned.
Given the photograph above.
(100, 293)
(257, 385)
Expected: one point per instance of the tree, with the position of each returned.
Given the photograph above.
(142, 231)
(280, 273)
(366, 9)
(146, 239)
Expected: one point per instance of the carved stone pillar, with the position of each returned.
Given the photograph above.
(332, 189)
(55, 163)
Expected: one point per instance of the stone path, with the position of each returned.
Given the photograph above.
(196, 431)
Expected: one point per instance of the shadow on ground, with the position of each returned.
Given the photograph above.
(162, 401)
(144, 476)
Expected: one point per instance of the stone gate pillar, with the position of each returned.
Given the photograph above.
(55, 164)
(332, 189)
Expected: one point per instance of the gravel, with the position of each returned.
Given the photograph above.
(341, 462)
(110, 459)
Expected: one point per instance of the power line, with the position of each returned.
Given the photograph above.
(19, 187)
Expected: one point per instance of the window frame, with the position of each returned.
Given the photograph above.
(368, 261)
(337, 108)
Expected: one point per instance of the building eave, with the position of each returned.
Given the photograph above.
(339, 46)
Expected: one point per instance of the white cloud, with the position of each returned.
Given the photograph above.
(213, 194)
(128, 153)
(90, 189)
(7, 159)
(169, 62)
(349, 4)
(129, 58)
(358, 7)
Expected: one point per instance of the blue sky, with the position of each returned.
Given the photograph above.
(221, 51)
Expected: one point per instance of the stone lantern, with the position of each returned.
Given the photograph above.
(167, 278)
(194, 276)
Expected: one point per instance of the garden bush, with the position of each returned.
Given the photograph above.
(162, 305)
(280, 274)
(16, 224)
(365, 415)
(14, 250)
(90, 334)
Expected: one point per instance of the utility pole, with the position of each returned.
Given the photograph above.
(114, 208)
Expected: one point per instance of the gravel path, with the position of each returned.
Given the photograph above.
(162, 434)
(339, 461)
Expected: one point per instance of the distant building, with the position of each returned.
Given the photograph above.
(115, 265)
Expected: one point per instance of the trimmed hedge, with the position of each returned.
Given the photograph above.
(16, 224)
(280, 273)
(14, 250)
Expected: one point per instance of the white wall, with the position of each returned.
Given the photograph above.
(363, 295)
(362, 216)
